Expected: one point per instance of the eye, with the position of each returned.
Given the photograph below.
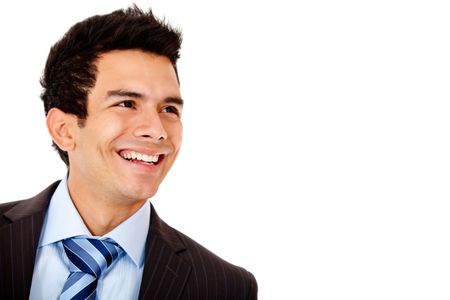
(171, 110)
(127, 104)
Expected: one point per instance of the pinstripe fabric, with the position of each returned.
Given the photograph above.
(176, 267)
(20, 228)
(190, 271)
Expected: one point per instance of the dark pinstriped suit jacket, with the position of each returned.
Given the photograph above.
(176, 267)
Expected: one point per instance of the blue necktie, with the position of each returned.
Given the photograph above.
(89, 258)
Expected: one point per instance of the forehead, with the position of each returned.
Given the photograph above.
(143, 72)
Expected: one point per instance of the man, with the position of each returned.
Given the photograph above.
(113, 106)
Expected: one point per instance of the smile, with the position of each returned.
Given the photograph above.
(137, 157)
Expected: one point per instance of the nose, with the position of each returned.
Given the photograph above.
(150, 127)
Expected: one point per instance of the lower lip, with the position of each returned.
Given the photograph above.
(143, 166)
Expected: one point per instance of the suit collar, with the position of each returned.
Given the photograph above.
(165, 272)
(165, 232)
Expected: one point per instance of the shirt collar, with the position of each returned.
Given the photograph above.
(131, 234)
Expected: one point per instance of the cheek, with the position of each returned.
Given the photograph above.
(103, 131)
(108, 131)
(175, 132)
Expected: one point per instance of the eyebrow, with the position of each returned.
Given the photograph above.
(132, 94)
(123, 93)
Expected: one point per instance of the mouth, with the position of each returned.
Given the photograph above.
(141, 158)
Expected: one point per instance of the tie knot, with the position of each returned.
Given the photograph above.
(91, 256)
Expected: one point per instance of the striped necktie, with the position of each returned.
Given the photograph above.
(89, 258)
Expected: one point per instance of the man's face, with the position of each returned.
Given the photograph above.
(133, 130)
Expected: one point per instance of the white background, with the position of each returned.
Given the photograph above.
(316, 146)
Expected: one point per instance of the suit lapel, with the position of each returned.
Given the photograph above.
(165, 272)
(19, 241)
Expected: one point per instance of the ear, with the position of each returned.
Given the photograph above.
(62, 128)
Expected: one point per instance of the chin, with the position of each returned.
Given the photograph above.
(142, 194)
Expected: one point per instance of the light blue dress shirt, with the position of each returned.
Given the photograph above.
(51, 269)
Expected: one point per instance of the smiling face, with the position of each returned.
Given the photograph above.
(133, 130)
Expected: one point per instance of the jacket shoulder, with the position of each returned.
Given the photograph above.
(4, 207)
(214, 274)
(16, 210)
(8, 205)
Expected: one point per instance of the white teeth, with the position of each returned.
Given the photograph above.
(142, 157)
(150, 158)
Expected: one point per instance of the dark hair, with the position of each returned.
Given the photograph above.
(70, 71)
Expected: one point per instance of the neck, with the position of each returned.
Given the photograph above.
(99, 211)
